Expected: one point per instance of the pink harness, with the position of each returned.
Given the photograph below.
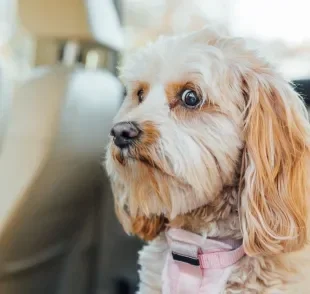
(198, 265)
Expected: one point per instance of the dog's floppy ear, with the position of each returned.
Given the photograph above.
(275, 161)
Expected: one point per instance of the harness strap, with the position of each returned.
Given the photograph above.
(192, 257)
(192, 254)
(220, 259)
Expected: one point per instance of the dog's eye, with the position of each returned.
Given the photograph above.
(190, 98)
(140, 95)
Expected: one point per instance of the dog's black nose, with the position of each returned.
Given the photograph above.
(125, 133)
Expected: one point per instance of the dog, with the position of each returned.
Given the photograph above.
(208, 162)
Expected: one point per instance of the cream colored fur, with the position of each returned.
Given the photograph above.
(235, 166)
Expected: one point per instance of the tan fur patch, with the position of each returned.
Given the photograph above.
(148, 228)
(117, 155)
(142, 150)
(140, 86)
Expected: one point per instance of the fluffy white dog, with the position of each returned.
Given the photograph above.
(209, 154)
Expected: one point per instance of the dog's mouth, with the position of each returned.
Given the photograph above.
(146, 161)
(139, 154)
(133, 155)
(123, 156)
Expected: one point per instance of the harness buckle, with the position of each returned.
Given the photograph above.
(186, 259)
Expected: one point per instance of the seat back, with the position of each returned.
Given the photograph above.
(51, 178)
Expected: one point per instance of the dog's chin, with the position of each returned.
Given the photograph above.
(145, 176)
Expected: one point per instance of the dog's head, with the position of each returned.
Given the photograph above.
(202, 113)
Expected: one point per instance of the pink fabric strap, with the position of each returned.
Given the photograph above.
(188, 253)
(207, 253)
(220, 259)
(198, 264)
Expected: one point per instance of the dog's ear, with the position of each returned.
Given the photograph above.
(275, 162)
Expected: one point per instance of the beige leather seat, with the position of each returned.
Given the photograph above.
(6, 86)
(51, 179)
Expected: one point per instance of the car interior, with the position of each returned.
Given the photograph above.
(57, 208)
(58, 230)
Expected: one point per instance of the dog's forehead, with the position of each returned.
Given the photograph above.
(171, 59)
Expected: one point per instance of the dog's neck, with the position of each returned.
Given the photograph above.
(218, 219)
